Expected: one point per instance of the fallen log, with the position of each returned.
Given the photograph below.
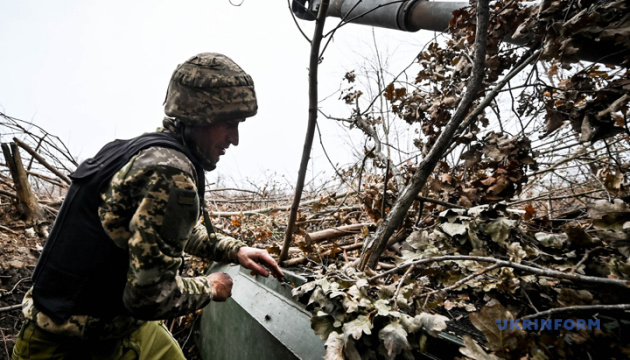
(338, 232)
(303, 259)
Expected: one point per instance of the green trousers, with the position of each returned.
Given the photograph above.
(151, 341)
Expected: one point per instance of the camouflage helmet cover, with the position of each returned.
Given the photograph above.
(210, 87)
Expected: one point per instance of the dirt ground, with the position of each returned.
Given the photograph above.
(19, 246)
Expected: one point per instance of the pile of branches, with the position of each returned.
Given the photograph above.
(450, 268)
(34, 174)
(447, 264)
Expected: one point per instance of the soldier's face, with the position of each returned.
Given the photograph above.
(213, 140)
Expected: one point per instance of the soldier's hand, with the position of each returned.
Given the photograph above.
(221, 286)
(252, 259)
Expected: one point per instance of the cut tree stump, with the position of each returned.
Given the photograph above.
(26, 203)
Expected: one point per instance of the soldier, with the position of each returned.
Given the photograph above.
(109, 270)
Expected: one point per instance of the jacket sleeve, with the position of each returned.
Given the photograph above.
(217, 247)
(150, 209)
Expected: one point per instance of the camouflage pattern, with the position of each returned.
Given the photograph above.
(151, 341)
(210, 87)
(80, 326)
(151, 209)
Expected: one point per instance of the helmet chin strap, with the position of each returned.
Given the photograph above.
(186, 132)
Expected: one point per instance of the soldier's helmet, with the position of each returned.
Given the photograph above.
(210, 87)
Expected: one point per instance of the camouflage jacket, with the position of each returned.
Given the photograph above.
(138, 216)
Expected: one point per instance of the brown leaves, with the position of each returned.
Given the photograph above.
(394, 337)
(237, 220)
(274, 250)
(431, 323)
(351, 97)
(588, 98)
(358, 319)
(474, 351)
(350, 76)
(610, 216)
(489, 320)
(566, 27)
(394, 94)
(530, 212)
(613, 180)
(493, 169)
(334, 347)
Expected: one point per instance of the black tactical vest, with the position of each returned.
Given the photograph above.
(81, 271)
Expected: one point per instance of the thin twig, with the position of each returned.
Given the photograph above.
(400, 284)
(268, 209)
(234, 189)
(61, 148)
(192, 328)
(15, 286)
(6, 193)
(547, 197)
(48, 179)
(584, 258)
(439, 202)
(528, 299)
(11, 308)
(296, 22)
(464, 280)
(9, 230)
(380, 264)
(504, 263)
(4, 340)
(578, 308)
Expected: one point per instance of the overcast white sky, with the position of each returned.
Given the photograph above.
(92, 71)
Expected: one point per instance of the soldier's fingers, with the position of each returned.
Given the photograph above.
(275, 270)
(270, 263)
(258, 269)
(277, 273)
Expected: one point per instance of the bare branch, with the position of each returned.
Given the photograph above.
(504, 263)
(464, 280)
(11, 308)
(310, 132)
(578, 308)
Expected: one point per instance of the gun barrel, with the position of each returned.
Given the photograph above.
(405, 15)
(414, 15)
